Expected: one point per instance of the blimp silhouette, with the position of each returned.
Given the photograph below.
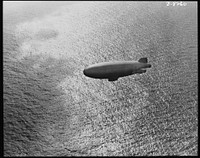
(116, 69)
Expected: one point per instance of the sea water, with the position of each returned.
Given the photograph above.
(52, 109)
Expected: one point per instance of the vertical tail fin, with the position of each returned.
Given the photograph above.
(143, 60)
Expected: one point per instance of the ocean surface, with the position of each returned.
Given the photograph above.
(52, 109)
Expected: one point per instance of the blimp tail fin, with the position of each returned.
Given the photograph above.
(143, 60)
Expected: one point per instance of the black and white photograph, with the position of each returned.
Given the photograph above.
(100, 78)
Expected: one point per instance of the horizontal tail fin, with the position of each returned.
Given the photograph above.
(143, 60)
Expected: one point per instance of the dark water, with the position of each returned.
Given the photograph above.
(51, 108)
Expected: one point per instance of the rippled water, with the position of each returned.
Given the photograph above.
(51, 108)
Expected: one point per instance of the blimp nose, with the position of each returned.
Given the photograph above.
(85, 72)
(149, 66)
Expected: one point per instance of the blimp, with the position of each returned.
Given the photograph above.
(116, 69)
